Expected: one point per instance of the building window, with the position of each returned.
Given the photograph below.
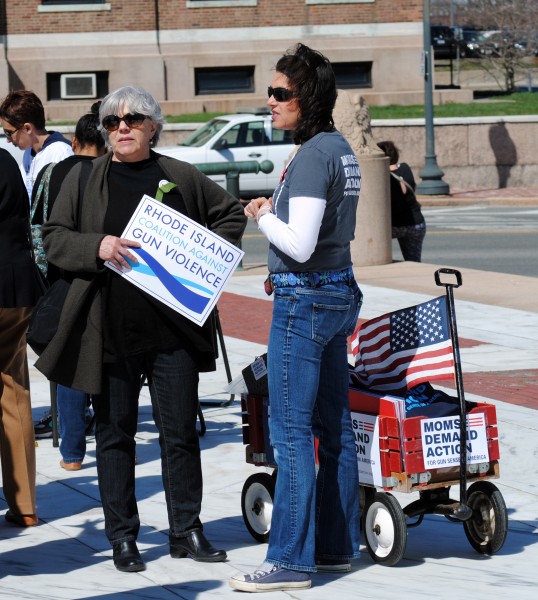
(339, 1)
(52, 6)
(64, 2)
(55, 87)
(351, 75)
(224, 80)
(219, 3)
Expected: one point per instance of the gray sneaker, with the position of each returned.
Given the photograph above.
(268, 578)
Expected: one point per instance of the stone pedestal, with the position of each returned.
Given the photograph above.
(373, 236)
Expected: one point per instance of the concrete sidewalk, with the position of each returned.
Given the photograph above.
(68, 557)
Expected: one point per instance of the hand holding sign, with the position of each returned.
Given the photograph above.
(175, 259)
(115, 250)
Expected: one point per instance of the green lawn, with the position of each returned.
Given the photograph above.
(522, 103)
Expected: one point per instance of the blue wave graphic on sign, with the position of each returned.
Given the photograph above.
(145, 270)
(181, 293)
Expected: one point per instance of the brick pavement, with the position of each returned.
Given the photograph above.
(249, 319)
(515, 387)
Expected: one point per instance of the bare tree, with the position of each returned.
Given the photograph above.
(510, 46)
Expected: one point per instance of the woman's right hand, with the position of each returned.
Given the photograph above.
(115, 250)
(256, 205)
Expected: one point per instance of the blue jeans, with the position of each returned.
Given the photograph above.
(313, 516)
(72, 423)
(173, 385)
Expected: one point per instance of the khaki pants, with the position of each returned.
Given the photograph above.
(17, 445)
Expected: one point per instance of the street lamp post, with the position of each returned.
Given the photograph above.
(432, 177)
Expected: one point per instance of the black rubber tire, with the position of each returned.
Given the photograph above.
(486, 530)
(257, 505)
(385, 530)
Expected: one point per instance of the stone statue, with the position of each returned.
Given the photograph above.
(352, 118)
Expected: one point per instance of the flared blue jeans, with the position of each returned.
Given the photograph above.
(316, 509)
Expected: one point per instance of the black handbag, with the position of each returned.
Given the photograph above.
(255, 376)
(46, 316)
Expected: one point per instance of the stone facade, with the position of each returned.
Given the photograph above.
(160, 43)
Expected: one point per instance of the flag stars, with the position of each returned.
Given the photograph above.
(417, 327)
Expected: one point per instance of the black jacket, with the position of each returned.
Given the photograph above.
(19, 283)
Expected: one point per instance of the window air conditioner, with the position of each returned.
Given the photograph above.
(78, 85)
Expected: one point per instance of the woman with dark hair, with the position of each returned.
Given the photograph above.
(88, 143)
(112, 334)
(309, 223)
(408, 224)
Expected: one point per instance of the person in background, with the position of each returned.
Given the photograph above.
(88, 143)
(310, 222)
(19, 291)
(408, 224)
(22, 117)
(112, 334)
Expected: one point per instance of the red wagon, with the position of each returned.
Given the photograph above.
(398, 454)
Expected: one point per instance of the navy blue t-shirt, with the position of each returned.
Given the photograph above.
(324, 167)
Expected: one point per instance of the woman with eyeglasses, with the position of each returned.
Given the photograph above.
(22, 118)
(112, 334)
(309, 222)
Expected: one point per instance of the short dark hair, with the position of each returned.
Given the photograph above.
(22, 107)
(87, 130)
(312, 79)
(390, 150)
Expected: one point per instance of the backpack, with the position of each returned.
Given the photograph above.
(37, 237)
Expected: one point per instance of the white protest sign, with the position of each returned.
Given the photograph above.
(441, 441)
(366, 434)
(181, 263)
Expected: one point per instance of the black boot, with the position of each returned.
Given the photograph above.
(196, 546)
(127, 558)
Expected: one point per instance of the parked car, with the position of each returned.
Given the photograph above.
(239, 137)
(472, 41)
(443, 41)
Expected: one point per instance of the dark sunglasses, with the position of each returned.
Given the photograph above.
(9, 133)
(280, 94)
(112, 122)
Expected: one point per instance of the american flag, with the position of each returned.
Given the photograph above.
(401, 349)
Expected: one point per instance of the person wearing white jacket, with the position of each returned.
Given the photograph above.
(22, 117)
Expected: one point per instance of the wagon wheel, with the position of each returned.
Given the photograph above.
(385, 531)
(257, 505)
(486, 530)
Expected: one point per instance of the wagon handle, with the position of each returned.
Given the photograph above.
(463, 512)
(447, 271)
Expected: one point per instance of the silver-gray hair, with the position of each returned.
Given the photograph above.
(137, 100)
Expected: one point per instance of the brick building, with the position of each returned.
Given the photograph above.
(196, 55)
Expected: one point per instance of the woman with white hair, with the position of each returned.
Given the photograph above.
(113, 334)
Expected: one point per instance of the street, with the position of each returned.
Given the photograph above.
(489, 238)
